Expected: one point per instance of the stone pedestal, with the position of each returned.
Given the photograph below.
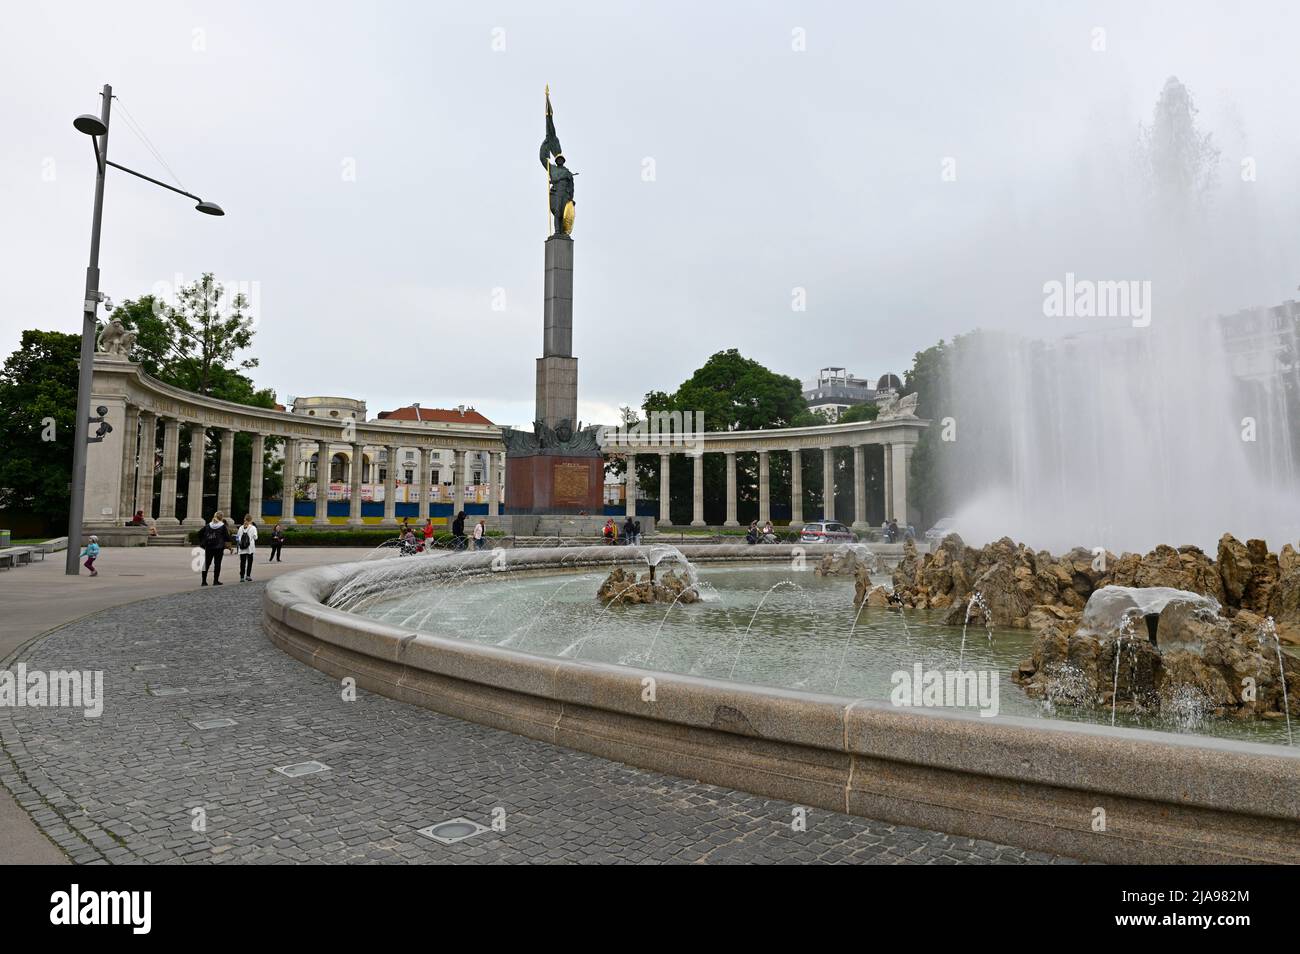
(543, 483)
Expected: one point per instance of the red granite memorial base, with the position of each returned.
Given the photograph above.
(555, 484)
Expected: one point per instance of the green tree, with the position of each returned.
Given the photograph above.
(732, 393)
(38, 404)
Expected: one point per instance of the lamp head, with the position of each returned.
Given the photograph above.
(90, 124)
(210, 208)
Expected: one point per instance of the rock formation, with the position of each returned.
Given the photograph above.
(624, 587)
(1027, 589)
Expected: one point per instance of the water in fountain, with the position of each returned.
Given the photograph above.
(976, 602)
(741, 648)
(1125, 632)
(1127, 431)
(1266, 630)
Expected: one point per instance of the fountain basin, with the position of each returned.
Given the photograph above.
(1025, 782)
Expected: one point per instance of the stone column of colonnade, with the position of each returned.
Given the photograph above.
(225, 473)
(630, 487)
(731, 520)
(493, 478)
(859, 487)
(144, 475)
(289, 484)
(194, 515)
(255, 477)
(889, 481)
(355, 472)
(424, 467)
(130, 435)
(457, 481)
(664, 516)
(796, 488)
(828, 483)
(900, 458)
(321, 517)
(170, 469)
(697, 518)
(764, 488)
(390, 487)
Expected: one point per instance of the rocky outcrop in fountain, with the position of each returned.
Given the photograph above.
(623, 586)
(1200, 663)
(1027, 589)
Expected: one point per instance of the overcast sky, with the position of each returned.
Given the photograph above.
(774, 169)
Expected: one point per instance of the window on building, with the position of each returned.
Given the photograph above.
(410, 455)
(410, 476)
(434, 478)
(383, 474)
(478, 477)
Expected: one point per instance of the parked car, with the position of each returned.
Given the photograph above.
(826, 531)
(943, 526)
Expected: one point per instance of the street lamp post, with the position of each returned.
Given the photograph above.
(97, 128)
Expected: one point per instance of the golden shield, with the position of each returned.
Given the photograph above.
(568, 217)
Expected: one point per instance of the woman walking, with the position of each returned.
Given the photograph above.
(277, 541)
(246, 544)
(480, 530)
(215, 537)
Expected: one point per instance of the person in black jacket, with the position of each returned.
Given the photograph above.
(629, 532)
(215, 539)
(458, 531)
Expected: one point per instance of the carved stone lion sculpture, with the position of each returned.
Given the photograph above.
(893, 407)
(115, 339)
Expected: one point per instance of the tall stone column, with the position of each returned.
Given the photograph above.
(390, 487)
(697, 519)
(630, 486)
(859, 487)
(255, 478)
(356, 473)
(665, 518)
(194, 515)
(130, 442)
(902, 457)
(889, 481)
(457, 481)
(289, 484)
(425, 484)
(321, 518)
(493, 476)
(171, 465)
(148, 454)
(828, 483)
(764, 488)
(226, 473)
(796, 488)
(731, 520)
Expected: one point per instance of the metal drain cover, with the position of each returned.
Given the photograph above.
(213, 724)
(302, 768)
(167, 690)
(454, 830)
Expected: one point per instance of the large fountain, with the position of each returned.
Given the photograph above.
(776, 671)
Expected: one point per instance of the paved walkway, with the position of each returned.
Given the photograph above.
(132, 785)
(35, 599)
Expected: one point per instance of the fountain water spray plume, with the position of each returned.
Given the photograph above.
(1125, 632)
(743, 639)
(1269, 628)
(976, 601)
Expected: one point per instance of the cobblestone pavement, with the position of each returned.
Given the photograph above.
(131, 785)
